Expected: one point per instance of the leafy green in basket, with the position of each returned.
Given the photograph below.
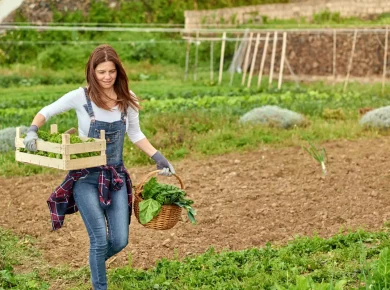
(148, 209)
(156, 195)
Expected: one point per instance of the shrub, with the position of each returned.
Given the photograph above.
(273, 116)
(333, 114)
(378, 118)
(64, 57)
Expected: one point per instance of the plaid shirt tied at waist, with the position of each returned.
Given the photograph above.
(61, 201)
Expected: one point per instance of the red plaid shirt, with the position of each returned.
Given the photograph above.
(61, 201)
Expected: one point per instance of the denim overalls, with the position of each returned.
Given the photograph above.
(105, 239)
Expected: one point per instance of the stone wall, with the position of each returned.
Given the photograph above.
(306, 9)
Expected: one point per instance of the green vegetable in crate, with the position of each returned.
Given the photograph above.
(156, 195)
(57, 138)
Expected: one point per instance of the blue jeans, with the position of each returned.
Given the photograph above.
(108, 229)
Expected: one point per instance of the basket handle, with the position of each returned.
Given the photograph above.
(149, 175)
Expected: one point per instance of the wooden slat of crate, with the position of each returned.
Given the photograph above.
(41, 145)
(60, 163)
(98, 145)
(85, 162)
(39, 160)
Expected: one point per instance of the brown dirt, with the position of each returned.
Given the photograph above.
(242, 200)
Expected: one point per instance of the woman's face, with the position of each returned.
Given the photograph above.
(106, 74)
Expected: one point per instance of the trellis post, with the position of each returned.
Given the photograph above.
(222, 57)
(248, 50)
(271, 71)
(263, 60)
(253, 60)
(282, 60)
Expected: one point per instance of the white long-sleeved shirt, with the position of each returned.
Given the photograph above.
(76, 100)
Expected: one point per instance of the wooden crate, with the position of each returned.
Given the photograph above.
(66, 149)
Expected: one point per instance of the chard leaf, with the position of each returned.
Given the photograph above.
(190, 211)
(148, 209)
(151, 188)
(191, 216)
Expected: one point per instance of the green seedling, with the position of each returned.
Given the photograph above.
(319, 154)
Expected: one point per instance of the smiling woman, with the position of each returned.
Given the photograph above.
(102, 194)
(107, 80)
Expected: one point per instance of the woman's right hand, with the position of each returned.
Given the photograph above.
(30, 141)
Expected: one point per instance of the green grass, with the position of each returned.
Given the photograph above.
(13, 253)
(357, 258)
(199, 134)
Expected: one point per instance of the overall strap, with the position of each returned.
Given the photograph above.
(88, 106)
(124, 116)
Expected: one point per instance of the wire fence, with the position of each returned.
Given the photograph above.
(340, 53)
(187, 30)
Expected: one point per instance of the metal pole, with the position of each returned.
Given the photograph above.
(211, 61)
(350, 60)
(187, 60)
(196, 56)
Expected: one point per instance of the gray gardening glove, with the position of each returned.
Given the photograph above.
(30, 141)
(163, 165)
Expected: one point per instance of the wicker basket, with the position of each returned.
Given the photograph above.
(169, 214)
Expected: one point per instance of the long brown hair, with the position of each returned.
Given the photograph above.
(101, 54)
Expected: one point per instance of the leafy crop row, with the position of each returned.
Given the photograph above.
(310, 103)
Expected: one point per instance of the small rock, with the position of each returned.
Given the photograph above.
(373, 194)
(166, 242)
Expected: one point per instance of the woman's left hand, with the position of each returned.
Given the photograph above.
(163, 164)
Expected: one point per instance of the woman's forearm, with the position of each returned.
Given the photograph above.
(39, 120)
(145, 146)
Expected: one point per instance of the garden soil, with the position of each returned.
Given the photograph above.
(243, 200)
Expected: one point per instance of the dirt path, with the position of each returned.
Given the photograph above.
(242, 200)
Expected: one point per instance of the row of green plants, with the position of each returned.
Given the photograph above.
(15, 112)
(200, 133)
(349, 260)
(182, 123)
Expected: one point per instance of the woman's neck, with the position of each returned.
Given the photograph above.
(109, 92)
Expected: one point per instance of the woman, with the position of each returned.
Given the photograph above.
(101, 194)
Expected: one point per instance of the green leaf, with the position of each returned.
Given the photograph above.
(148, 209)
(384, 262)
(150, 188)
(340, 285)
(191, 216)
